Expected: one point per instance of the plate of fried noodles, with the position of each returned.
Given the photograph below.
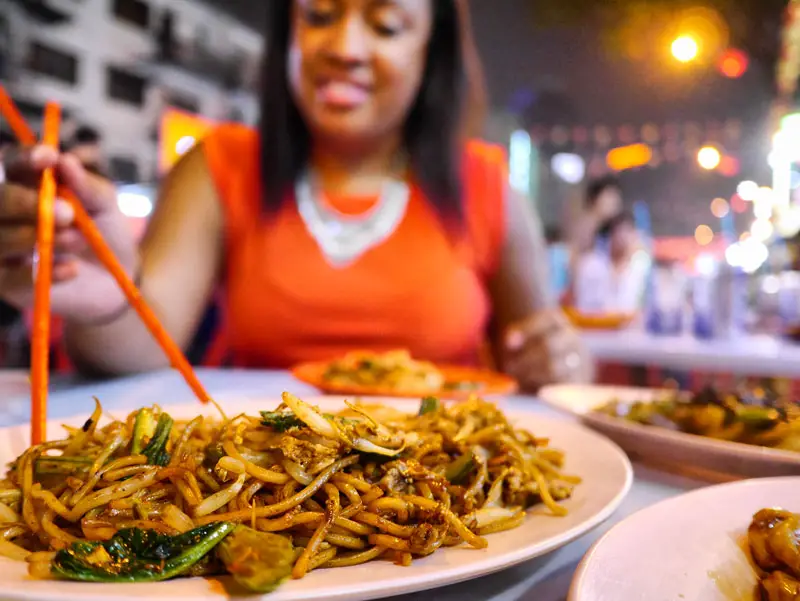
(294, 499)
(731, 542)
(749, 431)
(397, 374)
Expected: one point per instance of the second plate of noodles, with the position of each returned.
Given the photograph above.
(287, 499)
(711, 432)
(396, 373)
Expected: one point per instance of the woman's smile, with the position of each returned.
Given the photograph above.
(342, 93)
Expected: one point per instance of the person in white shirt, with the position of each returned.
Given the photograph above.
(608, 279)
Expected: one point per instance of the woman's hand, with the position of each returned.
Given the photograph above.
(82, 290)
(545, 349)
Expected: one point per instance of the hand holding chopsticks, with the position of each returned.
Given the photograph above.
(104, 254)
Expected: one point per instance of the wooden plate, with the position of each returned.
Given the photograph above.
(485, 383)
(607, 321)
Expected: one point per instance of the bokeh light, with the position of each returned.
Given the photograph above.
(748, 190)
(733, 63)
(733, 255)
(729, 166)
(737, 204)
(762, 210)
(704, 235)
(765, 194)
(754, 255)
(568, 166)
(709, 158)
(720, 208)
(685, 49)
(762, 230)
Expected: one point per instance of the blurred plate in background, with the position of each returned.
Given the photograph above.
(660, 445)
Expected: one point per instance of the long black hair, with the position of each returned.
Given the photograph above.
(433, 128)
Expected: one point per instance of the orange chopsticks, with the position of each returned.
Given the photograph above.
(43, 272)
(84, 223)
(106, 256)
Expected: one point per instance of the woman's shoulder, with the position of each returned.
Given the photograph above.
(486, 152)
(230, 141)
(485, 181)
(232, 156)
(232, 153)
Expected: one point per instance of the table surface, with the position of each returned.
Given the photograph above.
(544, 579)
(752, 355)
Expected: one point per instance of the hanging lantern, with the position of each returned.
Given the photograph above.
(650, 133)
(602, 136)
(580, 135)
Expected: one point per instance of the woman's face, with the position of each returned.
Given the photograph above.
(609, 202)
(355, 66)
(623, 239)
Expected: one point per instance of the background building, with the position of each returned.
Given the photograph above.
(116, 65)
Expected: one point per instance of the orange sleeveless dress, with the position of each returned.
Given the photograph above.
(283, 303)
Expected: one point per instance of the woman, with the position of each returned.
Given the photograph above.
(602, 202)
(356, 217)
(610, 279)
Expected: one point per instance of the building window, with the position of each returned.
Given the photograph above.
(183, 102)
(46, 60)
(126, 86)
(123, 169)
(133, 12)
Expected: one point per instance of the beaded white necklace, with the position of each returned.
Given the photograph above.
(344, 239)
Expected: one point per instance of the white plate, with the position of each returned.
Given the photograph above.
(687, 548)
(663, 445)
(604, 467)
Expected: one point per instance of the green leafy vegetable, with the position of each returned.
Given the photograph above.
(758, 418)
(144, 426)
(156, 449)
(280, 421)
(214, 452)
(462, 467)
(135, 555)
(429, 404)
(259, 561)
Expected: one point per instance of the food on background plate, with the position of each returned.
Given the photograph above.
(398, 374)
(755, 417)
(598, 321)
(271, 497)
(394, 369)
(774, 548)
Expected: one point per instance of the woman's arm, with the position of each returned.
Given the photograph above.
(180, 260)
(520, 286)
(532, 340)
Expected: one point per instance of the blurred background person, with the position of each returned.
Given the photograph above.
(608, 279)
(356, 209)
(602, 202)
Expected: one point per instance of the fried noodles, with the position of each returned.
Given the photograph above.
(291, 491)
(395, 370)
